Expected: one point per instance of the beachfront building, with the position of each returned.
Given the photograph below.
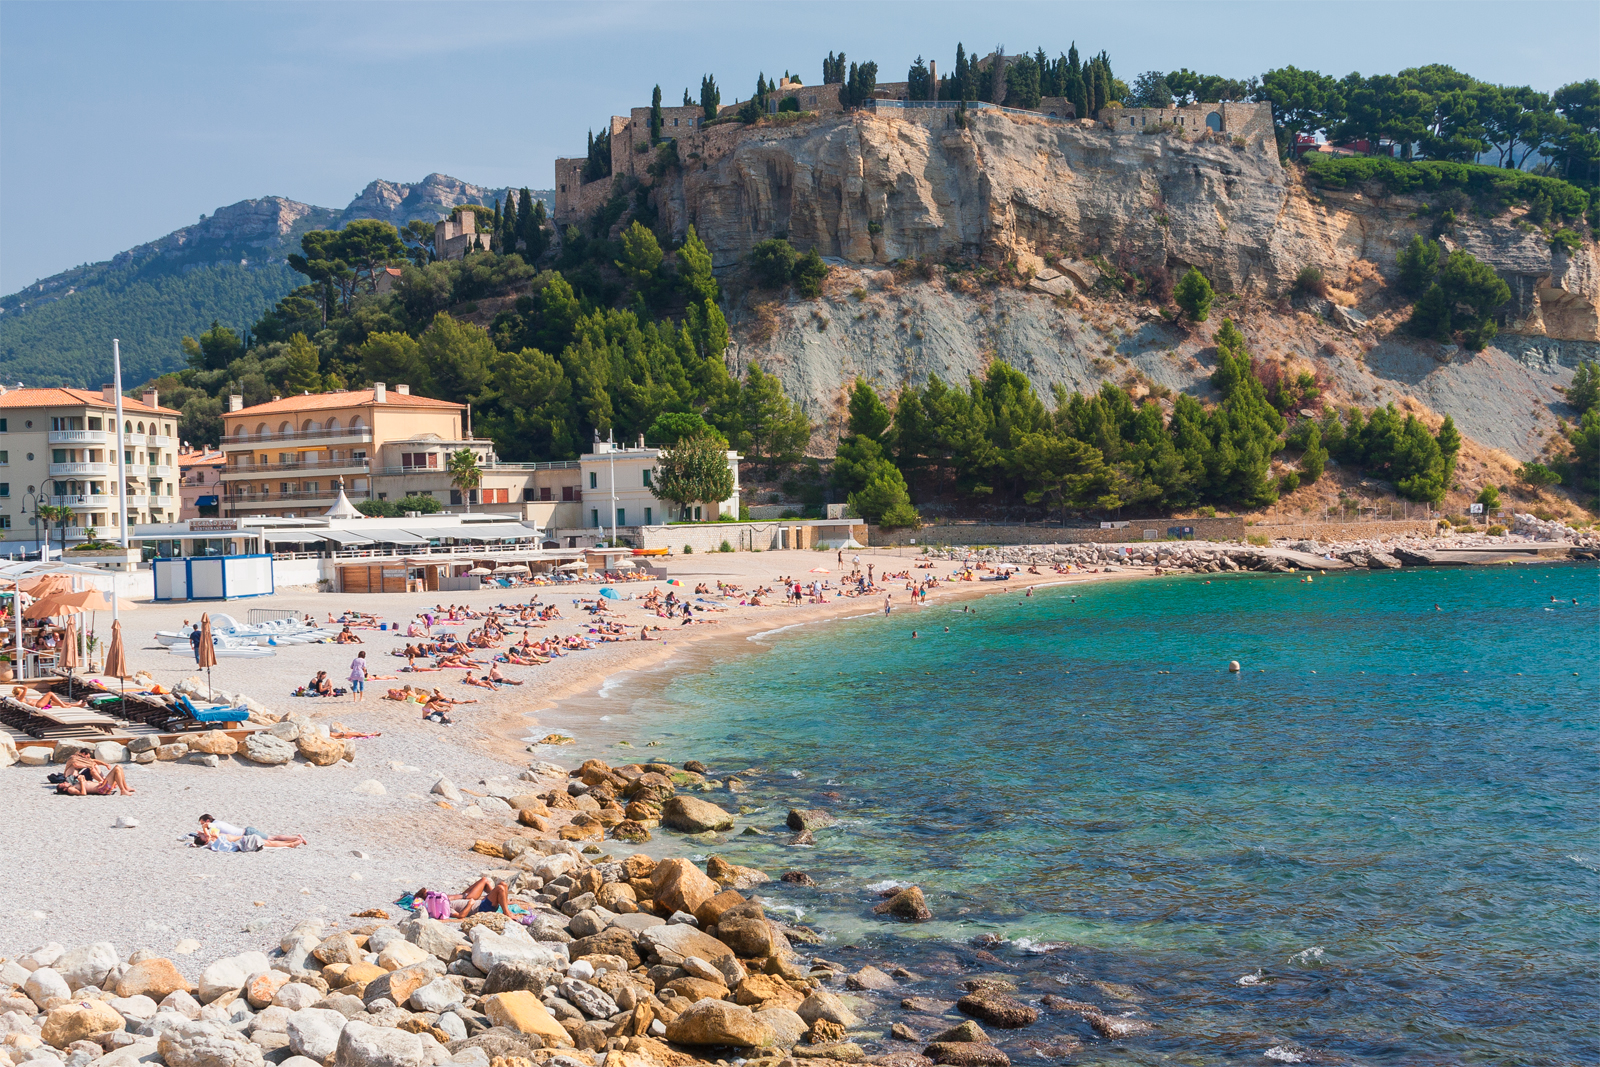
(199, 482)
(58, 447)
(620, 485)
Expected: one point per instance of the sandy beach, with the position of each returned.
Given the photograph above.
(365, 849)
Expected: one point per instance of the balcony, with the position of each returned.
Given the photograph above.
(160, 470)
(137, 500)
(78, 437)
(90, 500)
(155, 440)
(161, 500)
(264, 500)
(300, 437)
(133, 440)
(82, 470)
(255, 470)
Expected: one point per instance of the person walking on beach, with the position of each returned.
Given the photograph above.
(358, 677)
(194, 642)
(887, 607)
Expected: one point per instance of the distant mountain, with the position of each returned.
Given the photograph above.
(230, 266)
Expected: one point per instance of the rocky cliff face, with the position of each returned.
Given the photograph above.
(870, 190)
(430, 199)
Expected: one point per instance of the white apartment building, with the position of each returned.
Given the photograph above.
(58, 446)
(618, 490)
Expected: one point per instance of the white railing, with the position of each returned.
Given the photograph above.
(137, 499)
(103, 470)
(82, 500)
(233, 441)
(133, 440)
(76, 437)
(159, 440)
(160, 470)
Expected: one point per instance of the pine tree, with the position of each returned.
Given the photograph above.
(710, 97)
(655, 116)
(686, 101)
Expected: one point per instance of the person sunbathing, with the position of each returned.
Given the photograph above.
(480, 896)
(481, 683)
(46, 700)
(499, 678)
(345, 637)
(81, 763)
(217, 841)
(522, 659)
(79, 786)
(439, 697)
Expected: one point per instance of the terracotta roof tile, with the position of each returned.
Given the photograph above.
(65, 397)
(353, 399)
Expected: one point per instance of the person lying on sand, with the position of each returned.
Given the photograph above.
(78, 786)
(437, 711)
(439, 697)
(345, 637)
(218, 842)
(499, 678)
(481, 683)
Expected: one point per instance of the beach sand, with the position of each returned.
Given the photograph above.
(76, 879)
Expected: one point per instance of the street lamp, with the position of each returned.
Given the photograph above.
(34, 499)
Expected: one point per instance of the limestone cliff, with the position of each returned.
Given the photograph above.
(867, 191)
(870, 189)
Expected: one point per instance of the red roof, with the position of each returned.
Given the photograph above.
(361, 398)
(64, 397)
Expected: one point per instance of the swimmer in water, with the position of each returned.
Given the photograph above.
(913, 634)
(947, 629)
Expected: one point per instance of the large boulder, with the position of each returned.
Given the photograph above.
(322, 751)
(717, 1022)
(490, 948)
(314, 1032)
(364, 1045)
(154, 978)
(81, 1020)
(685, 940)
(432, 936)
(205, 1044)
(613, 941)
(401, 953)
(339, 948)
(263, 747)
(439, 995)
(825, 1005)
(966, 1054)
(591, 1000)
(520, 1010)
(786, 1026)
(397, 986)
(213, 743)
(998, 1009)
(45, 985)
(908, 905)
(88, 965)
(750, 939)
(260, 988)
(809, 819)
(678, 885)
(694, 816)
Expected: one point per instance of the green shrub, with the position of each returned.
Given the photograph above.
(1418, 262)
(789, 103)
(773, 262)
(1310, 280)
(688, 550)
(1566, 240)
(1496, 531)
(1537, 474)
(1489, 497)
(809, 272)
(1289, 482)
(724, 547)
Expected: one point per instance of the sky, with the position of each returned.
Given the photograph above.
(121, 122)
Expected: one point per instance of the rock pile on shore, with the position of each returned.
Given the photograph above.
(279, 743)
(1537, 529)
(627, 963)
(1194, 557)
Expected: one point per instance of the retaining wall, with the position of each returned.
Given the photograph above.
(1230, 529)
(741, 536)
(1346, 531)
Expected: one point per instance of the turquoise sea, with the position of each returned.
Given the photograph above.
(1375, 844)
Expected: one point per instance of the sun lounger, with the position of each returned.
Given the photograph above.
(212, 712)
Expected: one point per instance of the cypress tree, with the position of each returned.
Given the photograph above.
(997, 76)
(655, 116)
(508, 225)
(686, 101)
(963, 73)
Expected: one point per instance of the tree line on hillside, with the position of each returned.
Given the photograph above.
(997, 441)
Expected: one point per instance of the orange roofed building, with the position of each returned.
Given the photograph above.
(58, 446)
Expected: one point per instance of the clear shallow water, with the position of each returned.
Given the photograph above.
(1401, 847)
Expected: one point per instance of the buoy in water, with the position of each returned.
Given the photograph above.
(1233, 666)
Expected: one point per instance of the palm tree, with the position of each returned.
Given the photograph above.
(61, 515)
(465, 474)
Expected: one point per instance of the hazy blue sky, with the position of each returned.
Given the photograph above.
(121, 122)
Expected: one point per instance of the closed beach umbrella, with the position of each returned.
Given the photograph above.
(117, 661)
(206, 655)
(69, 650)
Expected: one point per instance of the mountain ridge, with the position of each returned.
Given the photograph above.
(231, 265)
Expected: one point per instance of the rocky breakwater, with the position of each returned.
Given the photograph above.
(292, 737)
(1189, 557)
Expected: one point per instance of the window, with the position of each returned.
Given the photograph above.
(5, 522)
(283, 487)
(58, 455)
(311, 487)
(647, 473)
(566, 492)
(696, 514)
(594, 480)
(497, 496)
(595, 516)
(95, 424)
(455, 496)
(649, 520)
(5, 458)
(622, 516)
(544, 492)
(2, 425)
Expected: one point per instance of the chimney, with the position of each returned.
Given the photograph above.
(235, 402)
(933, 79)
(403, 390)
(641, 440)
(150, 397)
(109, 392)
(380, 394)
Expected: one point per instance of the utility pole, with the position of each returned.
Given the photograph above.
(611, 438)
(122, 454)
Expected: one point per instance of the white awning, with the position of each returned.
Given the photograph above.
(398, 537)
(493, 531)
(344, 537)
(302, 536)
